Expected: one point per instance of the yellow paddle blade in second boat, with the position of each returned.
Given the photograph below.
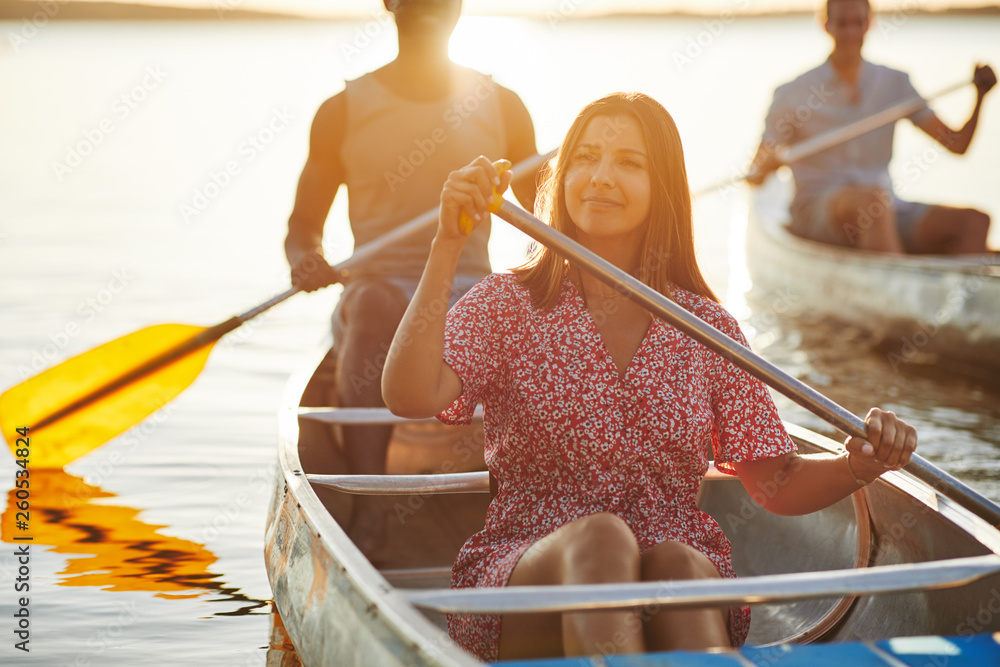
(77, 406)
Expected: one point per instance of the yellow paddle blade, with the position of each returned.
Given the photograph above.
(106, 545)
(66, 420)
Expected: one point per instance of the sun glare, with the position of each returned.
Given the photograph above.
(478, 42)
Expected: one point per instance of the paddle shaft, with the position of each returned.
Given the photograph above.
(728, 348)
(813, 145)
(838, 135)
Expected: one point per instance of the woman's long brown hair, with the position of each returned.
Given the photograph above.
(668, 245)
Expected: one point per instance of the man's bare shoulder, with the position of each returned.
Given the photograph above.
(332, 112)
(518, 121)
(509, 97)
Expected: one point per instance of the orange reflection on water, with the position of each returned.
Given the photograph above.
(116, 551)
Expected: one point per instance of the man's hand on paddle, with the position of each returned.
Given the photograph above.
(984, 78)
(313, 272)
(890, 443)
(764, 162)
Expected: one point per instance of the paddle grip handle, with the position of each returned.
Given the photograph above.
(464, 221)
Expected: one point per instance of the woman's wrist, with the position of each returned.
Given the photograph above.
(859, 480)
(444, 246)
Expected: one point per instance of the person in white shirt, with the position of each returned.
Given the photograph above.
(844, 195)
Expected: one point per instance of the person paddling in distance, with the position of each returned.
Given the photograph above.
(392, 136)
(597, 415)
(844, 194)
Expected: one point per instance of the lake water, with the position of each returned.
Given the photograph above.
(116, 213)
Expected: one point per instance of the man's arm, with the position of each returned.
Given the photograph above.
(520, 144)
(321, 178)
(958, 141)
(764, 162)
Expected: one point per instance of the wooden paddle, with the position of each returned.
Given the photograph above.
(793, 388)
(72, 408)
(838, 135)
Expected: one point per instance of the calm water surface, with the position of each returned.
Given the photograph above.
(147, 174)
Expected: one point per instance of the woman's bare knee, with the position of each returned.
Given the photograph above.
(586, 550)
(602, 548)
(598, 548)
(676, 560)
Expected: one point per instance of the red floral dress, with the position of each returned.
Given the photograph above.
(568, 436)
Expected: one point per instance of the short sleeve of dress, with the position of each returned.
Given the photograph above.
(747, 426)
(472, 338)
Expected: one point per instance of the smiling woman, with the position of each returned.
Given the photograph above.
(607, 183)
(596, 416)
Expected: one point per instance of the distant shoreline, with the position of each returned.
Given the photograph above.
(17, 10)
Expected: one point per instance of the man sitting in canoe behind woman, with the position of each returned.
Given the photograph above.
(844, 195)
(597, 414)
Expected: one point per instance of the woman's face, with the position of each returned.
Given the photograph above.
(607, 184)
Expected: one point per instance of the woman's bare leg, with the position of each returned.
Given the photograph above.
(682, 629)
(599, 548)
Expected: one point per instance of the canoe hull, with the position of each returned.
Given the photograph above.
(336, 607)
(917, 308)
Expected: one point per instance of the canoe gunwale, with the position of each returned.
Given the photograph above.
(699, 593)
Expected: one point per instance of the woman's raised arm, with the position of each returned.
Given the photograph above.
(416, 381)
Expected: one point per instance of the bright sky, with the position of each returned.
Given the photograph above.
(363, 8)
